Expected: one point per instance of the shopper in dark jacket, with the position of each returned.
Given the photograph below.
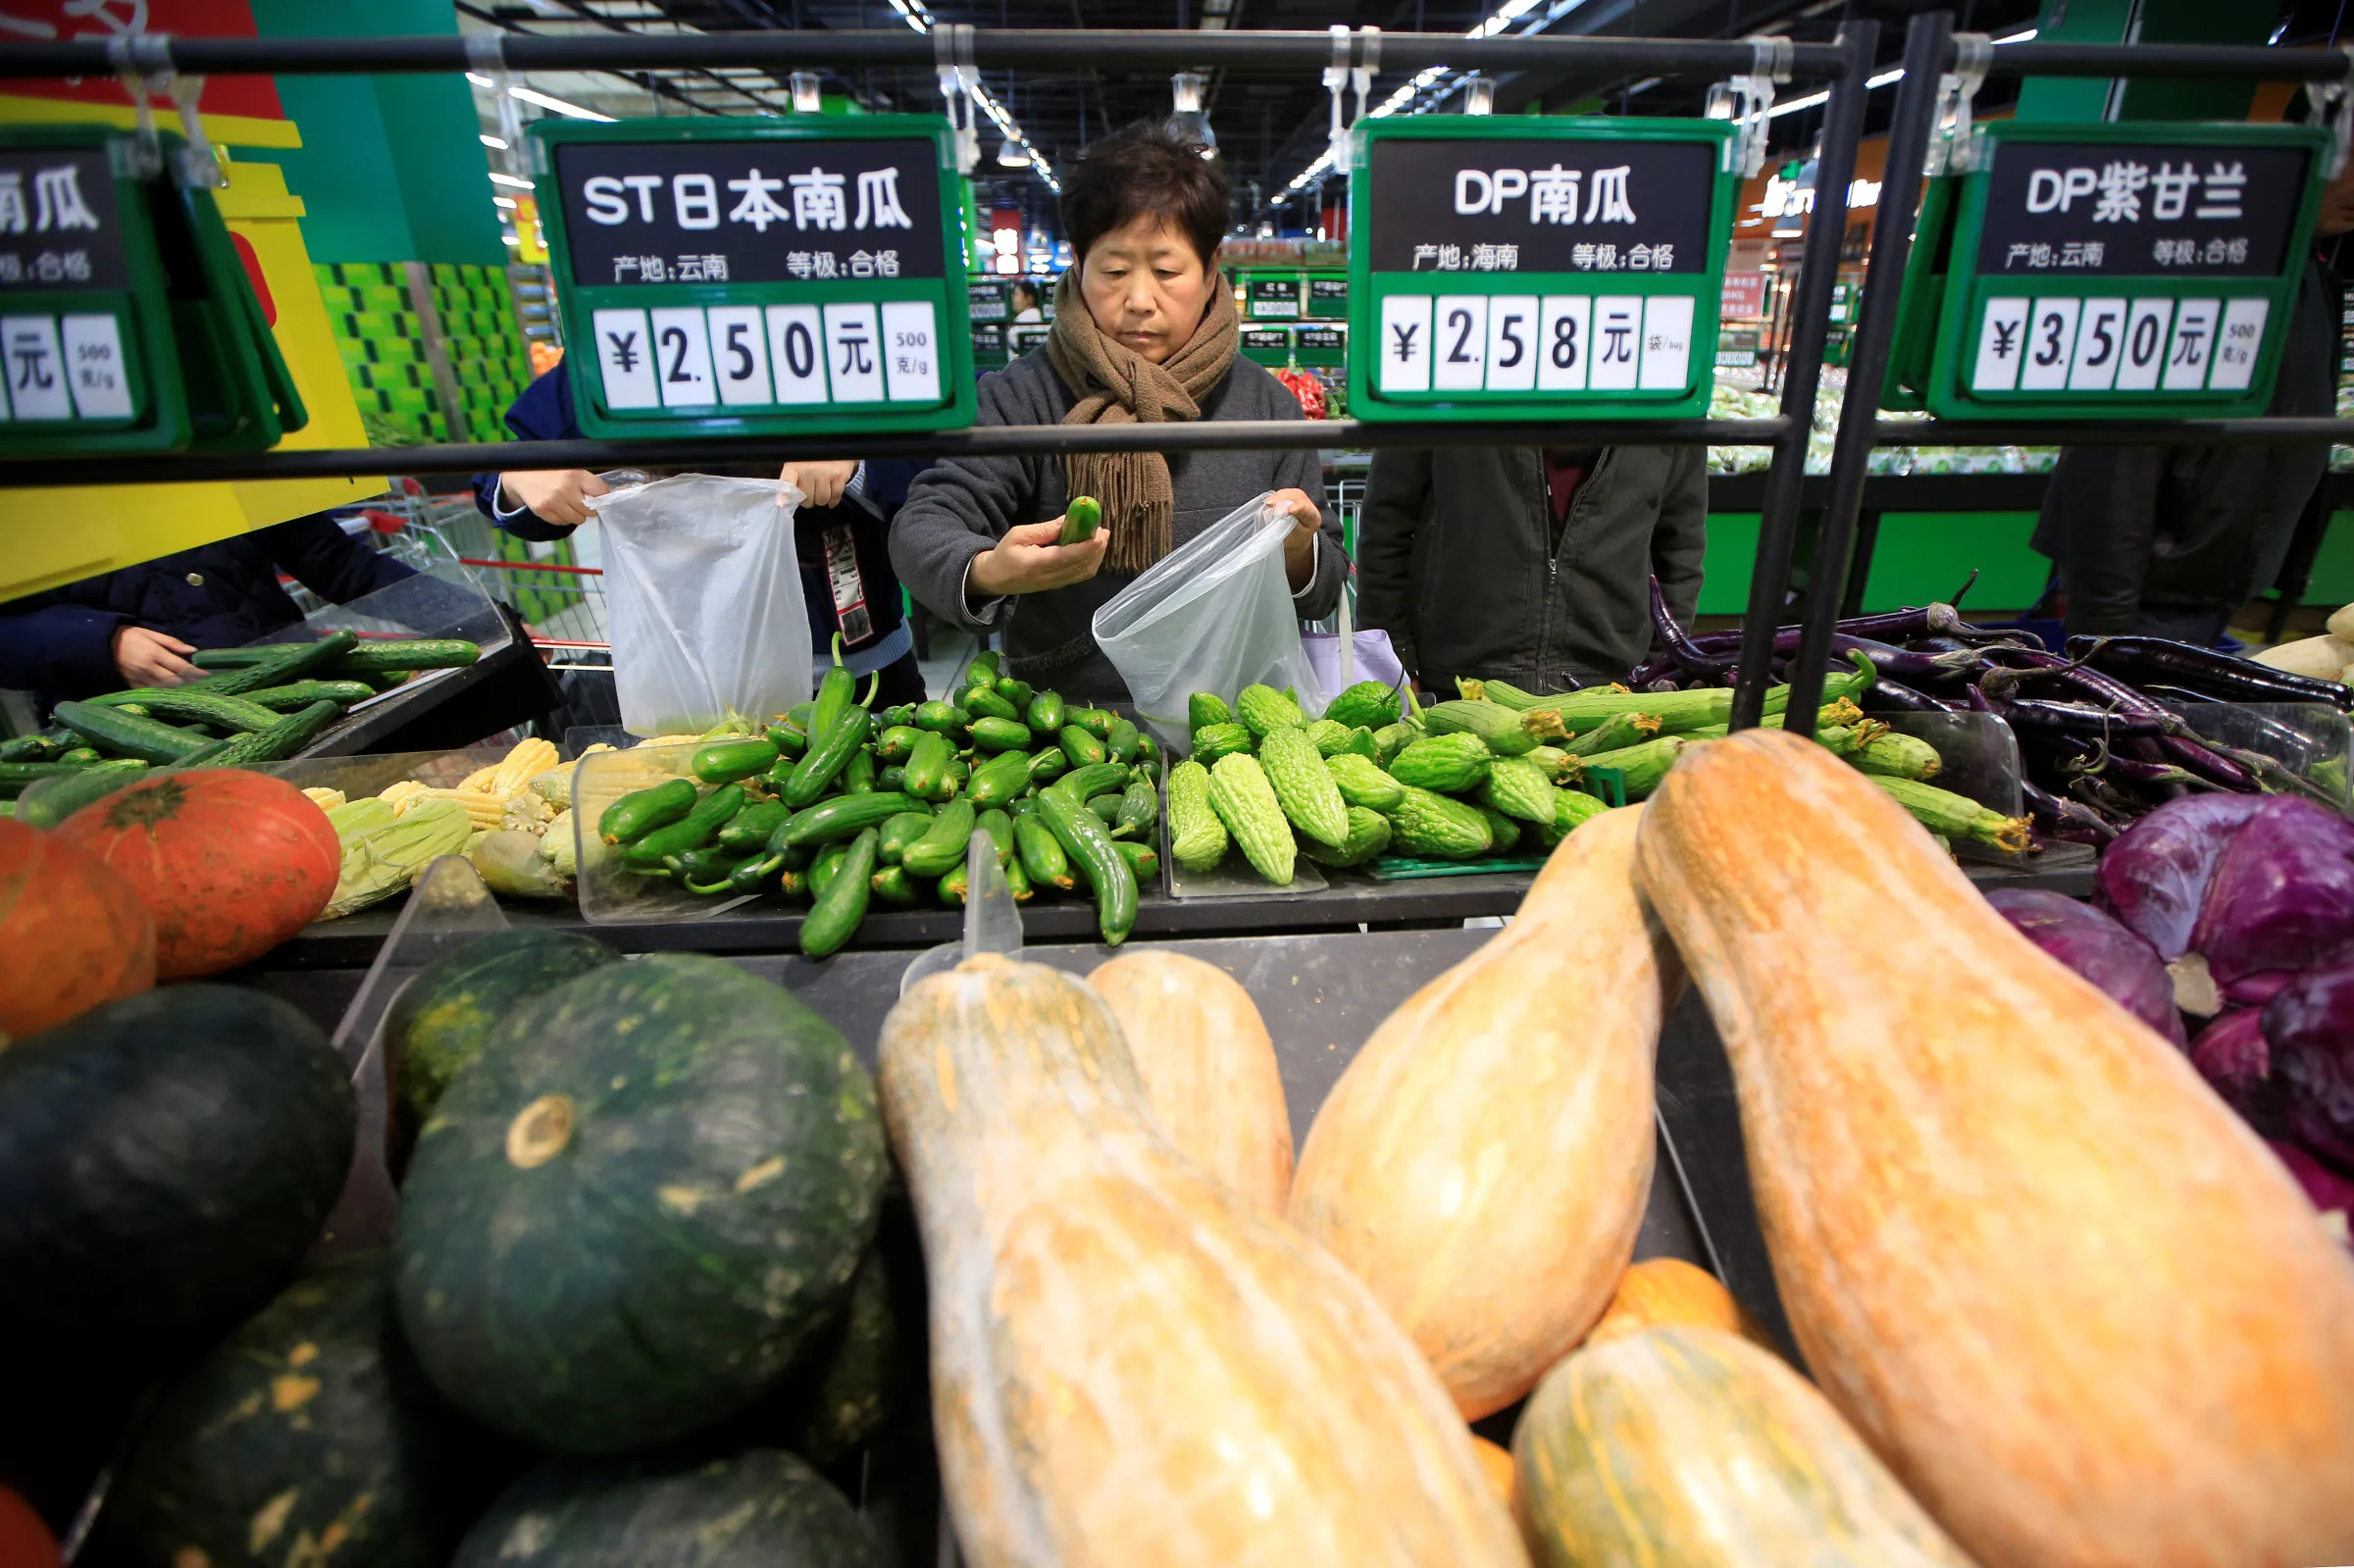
(136, 627)
(1145, 330)
(841, 536)
(1527, 566)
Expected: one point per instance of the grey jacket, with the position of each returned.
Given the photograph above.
(1456, 560)
(963, 506)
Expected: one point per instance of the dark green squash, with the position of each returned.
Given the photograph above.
(442, 1015)
(626, 1215)
(304, 1439)
(761, 1508)
(166, 1159)
(867, 1366)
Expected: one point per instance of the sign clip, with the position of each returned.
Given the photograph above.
(953, 55)
(143, 63)
(1952, 148)
(1747, 100)
(487, 53)
(1336, 79)
(2336, 99)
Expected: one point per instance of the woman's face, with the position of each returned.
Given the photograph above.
(1145, 286)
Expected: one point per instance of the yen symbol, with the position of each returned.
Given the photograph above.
(1406, 340)
(625, 350)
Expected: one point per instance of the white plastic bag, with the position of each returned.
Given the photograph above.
(1214, 615)
(703, 602)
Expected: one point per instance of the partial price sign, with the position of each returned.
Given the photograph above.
(1515, 269)
(737, 276)
(2116, 271)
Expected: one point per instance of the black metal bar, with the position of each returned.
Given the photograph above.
(2110, 433)
(1114, 48)
(1859, 567)
(1926, 36)
(2243, 62)
(982, 440)
(1818, 270)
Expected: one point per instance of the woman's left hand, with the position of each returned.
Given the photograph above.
(1300, 547)
(822, 483)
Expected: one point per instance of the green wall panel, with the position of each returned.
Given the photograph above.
(1732, 554)
(1922, 557)
(2334, 567)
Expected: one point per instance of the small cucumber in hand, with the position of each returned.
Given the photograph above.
(1080, 519)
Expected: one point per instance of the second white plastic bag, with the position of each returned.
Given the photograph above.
(703, 602)
(1216, 615)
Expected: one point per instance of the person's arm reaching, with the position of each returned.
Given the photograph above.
(1395, 493)
(1679, 540)
(322, 558)
(64, 649)
(539, 503)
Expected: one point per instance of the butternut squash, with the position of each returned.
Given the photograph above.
(1129, 1364)
(1210, 1075)
(1659, 1292)
(1484, 1162)
(2054, 1281)
(1693, 1448)
(1495, 1464)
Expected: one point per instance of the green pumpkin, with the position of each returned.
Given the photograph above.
(868, 1365)
(761, 1508)
(1693, 1446)
(165, 1160)
(305, 1439)
(628, 1214)
(442, 1016)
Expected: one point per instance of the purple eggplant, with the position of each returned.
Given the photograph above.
(2188, 664)
(2231, 1055)
(2154, 877)
(1679, 654)
(2281, 895)
(2120, 964)
(2309, 1025)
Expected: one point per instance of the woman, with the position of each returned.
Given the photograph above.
(1145, 330)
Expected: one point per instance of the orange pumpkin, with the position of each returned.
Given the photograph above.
(2059, 1285)
(25, 1538)
(71, 933)
(1129, 1364)
(229, 863)
(1209, 1068)
(1496, 1463)
(1483, 1164)
(1659, 1292)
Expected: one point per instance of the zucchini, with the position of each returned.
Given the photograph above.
(279, 741)
(302, 693)
(842, 904)
(388, 658)
(123, 734)
(208, 708)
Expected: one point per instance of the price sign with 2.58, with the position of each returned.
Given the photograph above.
(1518, 268)
(742, 277)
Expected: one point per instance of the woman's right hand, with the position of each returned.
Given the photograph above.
(553, 495)
(1029, 560)
(146, 657)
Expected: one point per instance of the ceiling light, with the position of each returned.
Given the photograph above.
(1186, 121)
(528, 95)
(1011, 156)
(502, 201)
(806, 99)
(493, 142)
(497, 178)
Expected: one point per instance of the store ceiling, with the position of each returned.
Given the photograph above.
(1269, 125)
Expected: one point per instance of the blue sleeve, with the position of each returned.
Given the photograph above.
(544, 413)
(321, 557)
(62, 649)
(888, 478)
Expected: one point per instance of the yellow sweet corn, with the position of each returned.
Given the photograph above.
(478, 781)
(529, 759)
(483, 811)
(402, 795)
(324, 799)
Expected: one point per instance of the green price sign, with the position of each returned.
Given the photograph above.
(1328, 297)
(1321, 347)
(1519, 269)
(1267, 345)
(734, 278)
(2119, 271)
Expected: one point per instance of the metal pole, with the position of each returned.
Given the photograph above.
(2086, 432)
(1926, 38)
(981, 440)
(1802, 370)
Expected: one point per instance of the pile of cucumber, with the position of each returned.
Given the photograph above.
(846, 808)
(253, 706)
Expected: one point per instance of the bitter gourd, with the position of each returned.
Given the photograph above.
(1244, 800)
(1263, 708)
(1215, 740)
(1502, 833)
(1570, 807)
(1304, 784)
(1369, 837)
(1196, 836)
(1392, 739)
(1206, 708)
(1449, 763)
(1430, 826)
(1517, 787)
(1327, 735)
(1364, 783)
(1368, 703)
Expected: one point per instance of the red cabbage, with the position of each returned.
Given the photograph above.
(2121, 964)
(2231, 1055)
(2281, 895)
(2310, 1026)
(2153, 877)
(2330, 1191)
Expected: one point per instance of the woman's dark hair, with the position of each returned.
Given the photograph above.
(1023, 288)
(1146, 170)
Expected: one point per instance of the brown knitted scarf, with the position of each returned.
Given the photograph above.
(1117, 385)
